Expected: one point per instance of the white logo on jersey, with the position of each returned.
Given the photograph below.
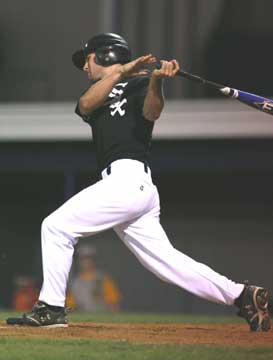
(117, 107)
(117, 93)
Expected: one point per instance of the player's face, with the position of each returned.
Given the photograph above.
(92, 69)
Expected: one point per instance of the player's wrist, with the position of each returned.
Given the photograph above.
(119, 72)
(156, 77)
(115, 75)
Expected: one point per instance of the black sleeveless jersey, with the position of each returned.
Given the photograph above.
(119, 128)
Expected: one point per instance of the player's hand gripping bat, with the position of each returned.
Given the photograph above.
(255, 101)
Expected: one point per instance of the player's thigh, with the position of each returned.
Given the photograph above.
(101, 206)
(145, 232)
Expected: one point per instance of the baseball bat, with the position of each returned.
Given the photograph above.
(258, 102)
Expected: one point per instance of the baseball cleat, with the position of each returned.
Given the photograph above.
(41, 315)
(254, 308)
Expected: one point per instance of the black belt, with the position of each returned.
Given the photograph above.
(108, 169)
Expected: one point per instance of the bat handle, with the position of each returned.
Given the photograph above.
(185, 74)
(222, 88)
(198, 79)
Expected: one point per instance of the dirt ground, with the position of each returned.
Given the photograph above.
(224, 334)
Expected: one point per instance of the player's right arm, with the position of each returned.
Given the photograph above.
(96, 95)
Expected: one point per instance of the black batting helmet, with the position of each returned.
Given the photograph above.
(109, 48)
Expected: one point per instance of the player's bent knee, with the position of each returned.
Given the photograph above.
(49, 224)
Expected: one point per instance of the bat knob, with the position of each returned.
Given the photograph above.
(158, 65)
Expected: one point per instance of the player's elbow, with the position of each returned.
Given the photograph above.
(151, 116)
(85, 107)
(153, 113)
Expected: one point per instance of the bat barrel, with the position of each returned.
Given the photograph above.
(255, 101)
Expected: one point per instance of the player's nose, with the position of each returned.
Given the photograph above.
(85, 66)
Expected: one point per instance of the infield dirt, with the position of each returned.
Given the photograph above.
(220, 334)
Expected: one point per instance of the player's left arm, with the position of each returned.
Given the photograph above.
(154, 99)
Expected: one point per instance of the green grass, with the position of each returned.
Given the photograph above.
(154, 318)
(12, 348)
(26, 349)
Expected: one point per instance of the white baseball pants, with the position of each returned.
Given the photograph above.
(127, 201)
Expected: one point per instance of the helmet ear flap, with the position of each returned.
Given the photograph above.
(106, 56)
(112, 54)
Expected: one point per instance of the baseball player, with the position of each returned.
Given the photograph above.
(122, 105)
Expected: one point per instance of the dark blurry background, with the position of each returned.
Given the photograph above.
(225, 40)
(216, 192)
